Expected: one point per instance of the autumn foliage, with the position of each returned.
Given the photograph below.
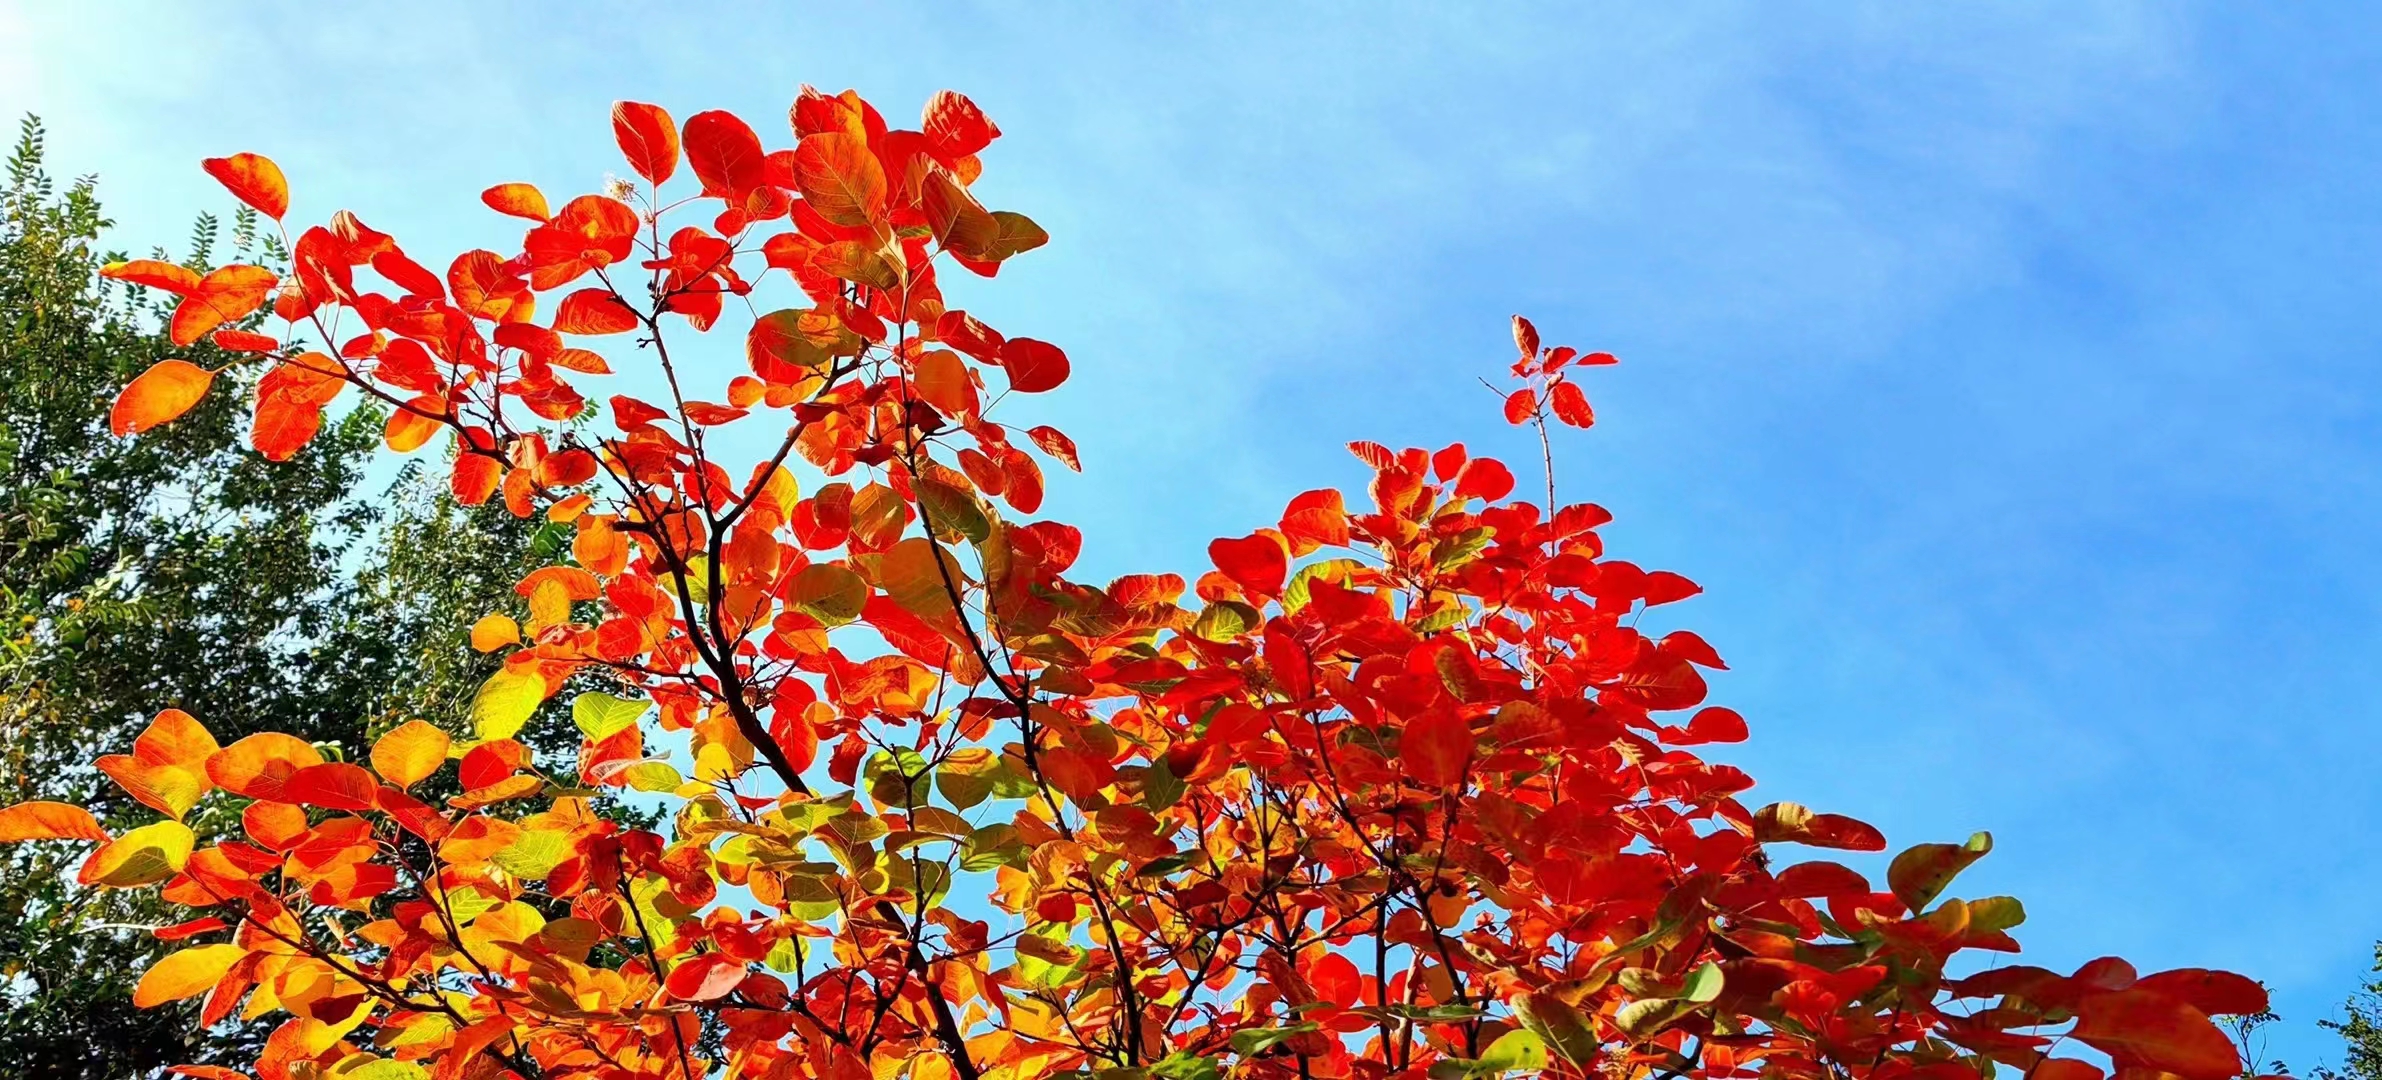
(1398, 788)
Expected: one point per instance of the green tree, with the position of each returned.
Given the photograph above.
(2360, 1029)
(182, 570)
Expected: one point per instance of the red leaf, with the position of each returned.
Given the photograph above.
(705, 977)
(1520, 406)
(647, 137)
(253, 179)
(1525, 338)
(2151, 1030)
(1033, 366)
(1054, 442)
(334, 785)
(1257, 563)
(955, 127)
(592, 312)
(1485, 478)
(1436, 748)
(1714, 725)
(1571, 405)
(2217, 993)
(724, 153)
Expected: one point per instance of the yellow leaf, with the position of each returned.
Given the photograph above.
(188, 973)
(506, 702)
(409, 753)
(146, 855)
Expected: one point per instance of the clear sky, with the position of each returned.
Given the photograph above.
(2007, 374)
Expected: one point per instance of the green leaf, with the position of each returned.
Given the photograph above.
(506, 702)
(1921, 874)
(535, 854)
(1183, 1065)
(1255, 1041)
(655, 776)
(1225, 620)
(601, 716)
(953, 512)
(1160, 787)
(1515, 1050)
(828, 592)
(1703, 984)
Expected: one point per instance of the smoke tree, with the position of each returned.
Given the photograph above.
(1397, 789)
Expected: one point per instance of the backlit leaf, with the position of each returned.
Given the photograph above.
(2148, 1029)
(167, 390)
(506, 702)
(409, 753)
(187, 973)
(48, 821)
(839, 178)
(519, 200)
(648, 137)
(252, 179)
(144, 856)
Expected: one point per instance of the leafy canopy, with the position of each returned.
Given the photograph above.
(1398, 788)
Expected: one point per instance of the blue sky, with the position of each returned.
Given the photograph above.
(2006, 375)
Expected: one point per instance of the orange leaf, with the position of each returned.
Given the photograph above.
(518, 199)
(243, 341)
(840, 178)
(167, 390)
(408, 429)
(175, 738)
(178, 280)
(2151, 1030)
(48, 821)
(594, 311)
(1525, 338)
(1436, 748)
(222, 296)
(253, 179)
(187, 973)
(260, 764)
(409, 753)
(170, 789)
(289, 404)
(494, 632)
(486, 287)
(648, 137)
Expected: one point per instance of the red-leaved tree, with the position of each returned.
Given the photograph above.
(1397, 789)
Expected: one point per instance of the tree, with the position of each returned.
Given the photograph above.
(181, 571)
(1398, 788)
(2360, 1029)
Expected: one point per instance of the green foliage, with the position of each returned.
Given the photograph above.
(2360, 1029)
(181, 570)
